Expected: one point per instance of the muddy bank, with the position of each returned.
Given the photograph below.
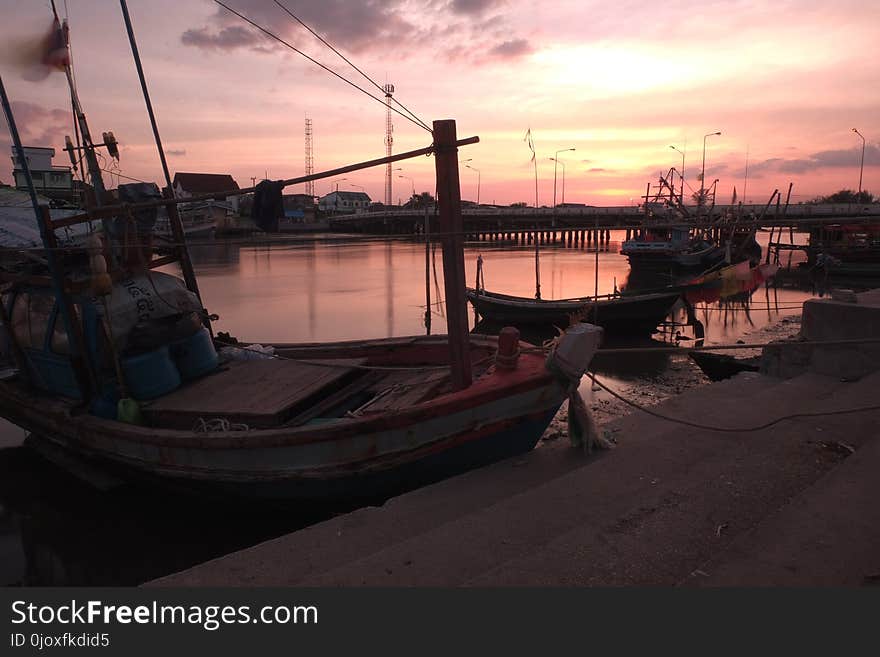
(682, 374)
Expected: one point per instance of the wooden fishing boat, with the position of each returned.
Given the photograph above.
(319, 422)
(637, 314)
(678, 246)
(845, 250)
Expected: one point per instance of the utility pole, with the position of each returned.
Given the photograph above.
(310, 159)
(389, 140)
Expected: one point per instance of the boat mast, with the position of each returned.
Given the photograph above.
(88, 146)
(65, 309)
(173, 213)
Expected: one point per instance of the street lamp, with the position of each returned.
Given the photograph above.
(563, 178)
(337, 181)
(412, 182)
(861, 166)
(703, 172)
(554, 171)
(680, 196)
(478, 180)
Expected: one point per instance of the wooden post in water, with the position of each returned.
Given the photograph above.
(427, 231)
(449, 205)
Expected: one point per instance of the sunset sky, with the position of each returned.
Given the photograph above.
(620, 81)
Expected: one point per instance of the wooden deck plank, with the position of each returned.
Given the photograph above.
(261, 392)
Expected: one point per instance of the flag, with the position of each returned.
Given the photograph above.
(55, 53)
(38, 55)
(528, 140)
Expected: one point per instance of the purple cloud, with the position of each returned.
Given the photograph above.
(511, 49)
(227, 38)
(831, 159)
(366, 26)
(476, 7)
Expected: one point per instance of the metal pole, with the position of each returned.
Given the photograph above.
(861, 165)
(681, 195)
(173, 214)
(563, 182)
(703, 172)
(82, 370)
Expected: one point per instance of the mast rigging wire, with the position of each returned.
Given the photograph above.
(316, 62)
(347, 61)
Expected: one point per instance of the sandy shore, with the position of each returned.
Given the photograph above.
(681, 375)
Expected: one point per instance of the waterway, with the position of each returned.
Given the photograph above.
(55, 530)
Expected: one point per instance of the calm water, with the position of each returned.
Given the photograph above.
(55, 530)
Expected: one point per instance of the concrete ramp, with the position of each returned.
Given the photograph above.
(670, 505)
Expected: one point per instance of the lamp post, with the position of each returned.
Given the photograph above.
(478, 181)
(563, 178)
(337, 181)
(681, 195)
(703, 171)
(411, 183)
(861, 166)
(555, 160)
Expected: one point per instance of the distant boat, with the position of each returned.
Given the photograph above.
(676, 246)
(637, 314)
(845, 250)
(199, 219)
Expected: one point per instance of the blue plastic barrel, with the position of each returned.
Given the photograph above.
(151, 374)
(195, 356)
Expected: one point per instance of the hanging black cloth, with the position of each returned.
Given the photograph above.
(268, 206)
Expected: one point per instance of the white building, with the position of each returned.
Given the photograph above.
(344, 203)
(49, 180)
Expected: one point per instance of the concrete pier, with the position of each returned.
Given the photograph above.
(670, 505)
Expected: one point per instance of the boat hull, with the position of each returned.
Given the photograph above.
(342, 459)
(638, 315)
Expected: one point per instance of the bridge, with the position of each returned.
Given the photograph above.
(580, 222)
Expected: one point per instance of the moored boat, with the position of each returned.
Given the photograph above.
(636, 314)
(324, 422)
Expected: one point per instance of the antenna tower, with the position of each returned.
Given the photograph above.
(310, 158)
(389, 140)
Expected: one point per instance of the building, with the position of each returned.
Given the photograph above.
(187, 185)
(344, 203)
(53, 182)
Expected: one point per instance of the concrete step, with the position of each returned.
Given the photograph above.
(556, 533)
(497, 524)
(353, 535)
(828, 535)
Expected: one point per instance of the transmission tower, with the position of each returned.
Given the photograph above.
(310, 158)
(389, 140)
